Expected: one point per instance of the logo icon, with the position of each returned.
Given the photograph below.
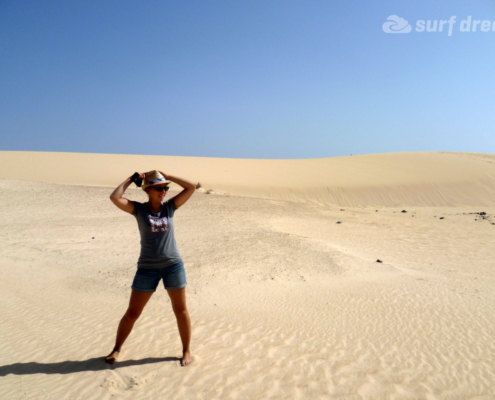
(396, 24)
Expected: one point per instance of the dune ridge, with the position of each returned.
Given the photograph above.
(379, 180)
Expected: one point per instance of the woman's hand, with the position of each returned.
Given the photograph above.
(141, 175)
(164, 175)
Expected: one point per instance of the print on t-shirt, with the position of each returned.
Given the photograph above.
(158, 224)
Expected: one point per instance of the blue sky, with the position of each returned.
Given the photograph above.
(244, 79)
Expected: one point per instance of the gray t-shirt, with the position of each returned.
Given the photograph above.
(158, 247)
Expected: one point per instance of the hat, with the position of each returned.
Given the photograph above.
(153, 178)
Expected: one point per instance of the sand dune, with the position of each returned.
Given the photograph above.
(287, 298)
(389, 180)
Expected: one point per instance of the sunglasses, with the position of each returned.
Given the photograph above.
(160, 189)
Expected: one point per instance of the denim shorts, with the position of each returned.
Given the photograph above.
(147, 279)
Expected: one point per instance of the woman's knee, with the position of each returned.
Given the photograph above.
(136, 305)
(180, 311)
(132, 314)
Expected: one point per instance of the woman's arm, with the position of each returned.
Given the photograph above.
(119, 201)
(189, 188)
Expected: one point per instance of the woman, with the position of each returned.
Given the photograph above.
(159, 258)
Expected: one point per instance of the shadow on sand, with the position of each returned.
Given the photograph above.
(70, 367)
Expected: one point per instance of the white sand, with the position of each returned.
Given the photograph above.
(286, 303)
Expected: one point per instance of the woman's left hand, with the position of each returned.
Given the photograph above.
(164, 175)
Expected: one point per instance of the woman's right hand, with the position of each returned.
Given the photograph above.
(142, 175)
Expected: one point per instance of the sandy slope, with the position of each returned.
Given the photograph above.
(285, 301)
(392, 179)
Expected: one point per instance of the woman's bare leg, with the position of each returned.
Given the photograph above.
(178, 299)
(136, 304)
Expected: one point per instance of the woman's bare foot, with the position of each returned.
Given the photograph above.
(112, 357)
(187, 359)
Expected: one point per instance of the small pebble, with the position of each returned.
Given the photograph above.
(380, 261)
(339, 222)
